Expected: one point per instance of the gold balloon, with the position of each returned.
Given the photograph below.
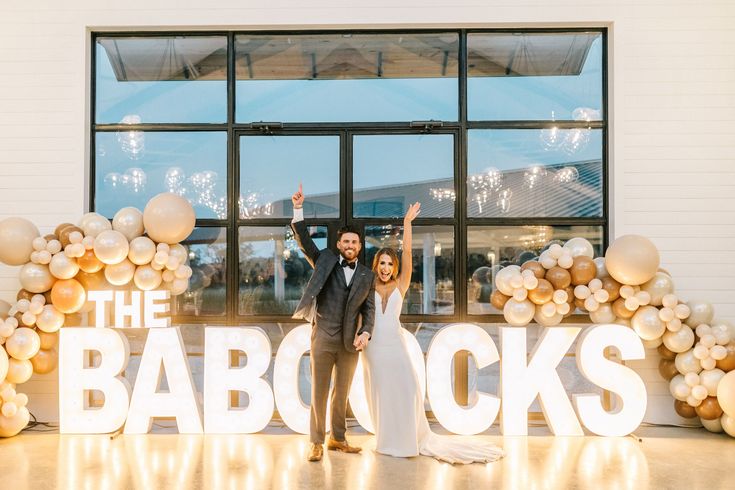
(93, 281)
(73, 320)
(542, 293)
(684, 409)
(583, 270)
(48, 340)
(535, 267)
(68, 296)
(558, 277)
(665, 353)
(667, 369)
(89, 262)
(498, 299)
(44, 361)
(728, 363)
(579, 303)
(65, 232)
(58, 229)
(620, 310)
(612, 287)
(51, 236)
(23, 294)
(709, 409)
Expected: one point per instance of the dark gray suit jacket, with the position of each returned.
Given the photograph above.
(360, 309)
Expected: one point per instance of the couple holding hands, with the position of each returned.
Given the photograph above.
(356, 310)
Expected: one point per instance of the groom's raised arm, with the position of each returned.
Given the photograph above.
(301, 233)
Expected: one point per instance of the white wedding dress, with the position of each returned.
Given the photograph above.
(394, 398)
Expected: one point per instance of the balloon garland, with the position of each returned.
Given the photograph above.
(138, 249)
(627, 287)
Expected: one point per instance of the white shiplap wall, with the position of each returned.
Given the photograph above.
(672, 101)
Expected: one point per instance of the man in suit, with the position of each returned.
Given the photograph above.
(339, 302)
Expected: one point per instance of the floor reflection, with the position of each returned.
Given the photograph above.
(277, 459)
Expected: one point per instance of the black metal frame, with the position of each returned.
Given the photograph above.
(346, 131)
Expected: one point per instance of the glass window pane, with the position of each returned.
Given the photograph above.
(273, 271)
(535, 76)
(133, 166)
(432, 279)
(392, 171)
(271, 168)
(161, 79)
(208, 284)
(534, 173)
(490, 248)
(346, 77)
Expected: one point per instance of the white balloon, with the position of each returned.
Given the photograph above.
(129, 222)
(710, 379)
(502, 278)
(713, 425)
(678, 388)
(62, 267)
(121, 273)
(142, 250)
(93, 224)
(700, 312)
(147, 279)
(580, 246)
(600, 266)
(679, 341)
(111, 247)
(518, 313)
(687, 363)
(50, 320)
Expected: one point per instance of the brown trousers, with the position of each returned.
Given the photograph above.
(328, 354)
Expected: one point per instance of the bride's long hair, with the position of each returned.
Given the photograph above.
(390, 253)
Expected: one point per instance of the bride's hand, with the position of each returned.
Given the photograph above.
(413, 211)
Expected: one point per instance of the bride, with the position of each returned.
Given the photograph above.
(391, 384)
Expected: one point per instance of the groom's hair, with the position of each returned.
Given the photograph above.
(348, 229)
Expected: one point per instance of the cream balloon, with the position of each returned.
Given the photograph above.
(603, 314)
(50, 320)
(699, 312)
(16, 240)
(600, 267)
(503, 276)
(726, 393)
(179, 252)
(129, 222)
(647, 324)
(19, 371)
(680, 341)
(678, 388)
(3, 363)
(547, 321)
(23, 344)
(659, 286)
(686, 363)
(36, 278)
(146, 278)
(93, 224)
(179, 286)
(4, 308)
(10, 426)
(632, 259)
(142, 250)
(580, 246)
(168, 218)
(710, 378)
(518, 313)
(652, 344)
(728, 424)
(713, 425)
(121, 273)
(63, 267)
(111, 247)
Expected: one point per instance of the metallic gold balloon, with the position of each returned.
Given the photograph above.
(542, 293)
(558, 277)
(23, 294)
(728, 363)
(709, 409)
(68, 296)
(620, 310)
(93, 281)
(667, 369)
(583, 270)
(58, 229)
(65, 232)
(498, 299)
(665, 353)
(48, 340)
(535, 267)
(684, 409)
(612, 287)
(45, 361)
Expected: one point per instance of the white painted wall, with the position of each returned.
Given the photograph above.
(672, 101)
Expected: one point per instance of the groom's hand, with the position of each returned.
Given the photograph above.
(298, 198)
(361, 341)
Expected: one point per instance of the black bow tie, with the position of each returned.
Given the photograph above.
(351, 265)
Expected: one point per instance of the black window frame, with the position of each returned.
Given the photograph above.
(346, 130)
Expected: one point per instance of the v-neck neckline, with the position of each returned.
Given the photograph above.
(384, 304)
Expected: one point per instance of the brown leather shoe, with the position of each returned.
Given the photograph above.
(316, 452)
(342, 446)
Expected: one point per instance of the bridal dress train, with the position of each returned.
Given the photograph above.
(395, 401)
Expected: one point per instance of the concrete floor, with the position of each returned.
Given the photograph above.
(666, 458)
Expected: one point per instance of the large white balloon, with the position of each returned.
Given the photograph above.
(10, 426)
(111, 247)
(502, 279)
(603, 314)
(36, 278)
(687, 363)
(699, 312)
(632, 259)
(647, 324)
(94, 223)
(16, 240)
(726, 393)
(120, 274)
(129, 222)
(63, 267)
(169, 218)
(659, 286)
(580, 246)
(146, 278)
(142, 250)
(23, 344)
(680, 341)
(518, 313)
(50, 320)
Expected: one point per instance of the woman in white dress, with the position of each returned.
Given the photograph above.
(391, 384)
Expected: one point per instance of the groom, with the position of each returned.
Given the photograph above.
(339, 302)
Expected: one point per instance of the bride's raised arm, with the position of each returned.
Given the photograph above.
(404, 277)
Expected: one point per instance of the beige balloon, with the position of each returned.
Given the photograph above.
(710, 378)
(16, 240)
(10, 426)
(48, 340)
(36, 278)
(93, 224)
(146, 278)
(687, 363)
(580, 246)
(659, 286)
(129, 222)
(647, 324)
(603, 314)
(50, 320)
(179, 286)
(63, 267)
(3, 363)
(728, 424)
(142, 250)
(726, 393)
(23, 344)
(680, 341)
(4, 308)
(169, 218)
(516, 313)
(546, 321)
(503, 276)
(19, 371)
(179, 252)
(120, 274)
(111, 247)
(699, 312)
(632, 259)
